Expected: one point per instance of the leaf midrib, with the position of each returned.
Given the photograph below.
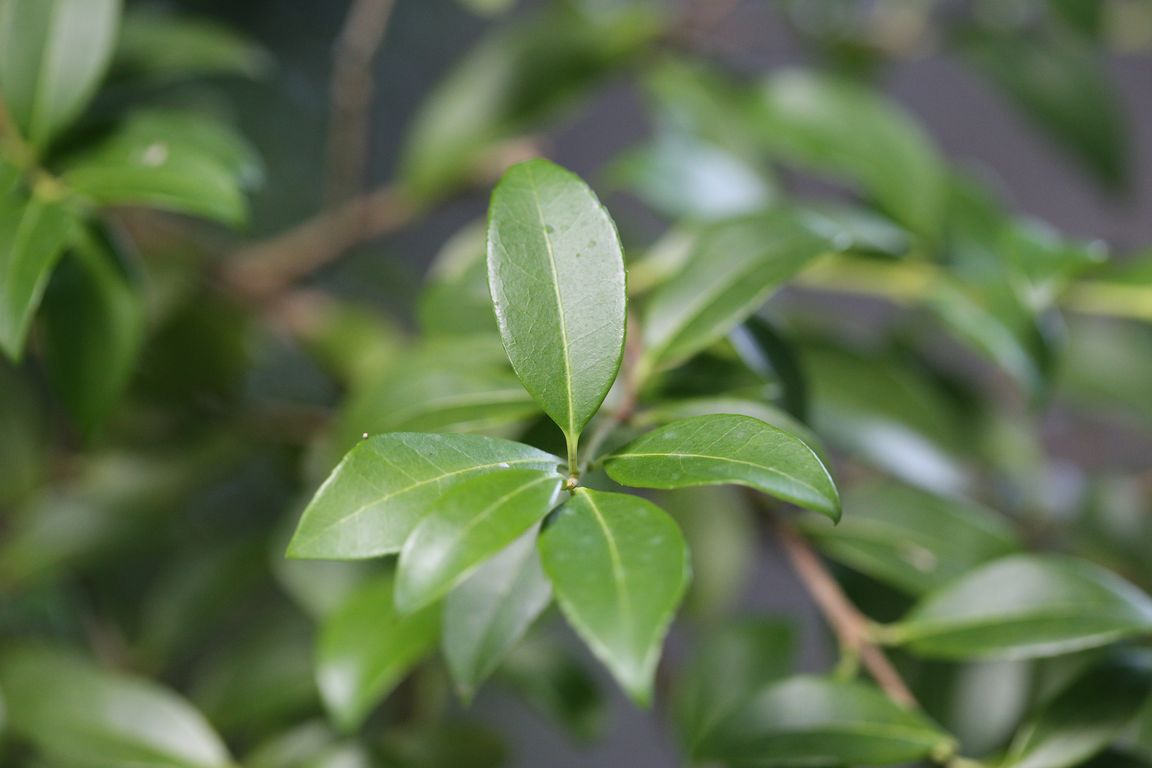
(681, 455)
(618, 574)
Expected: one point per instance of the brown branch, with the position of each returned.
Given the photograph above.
(351, 94)
(849, 625)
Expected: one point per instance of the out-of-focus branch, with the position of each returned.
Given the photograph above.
(850, 626)
(351, 94)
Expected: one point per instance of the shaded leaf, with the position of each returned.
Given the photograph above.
(724, 449)
(157, 46)
(549, 677)
(619, 567)
(366, 648)
(1025, 606)
(456, 299)
(106, 717)
(556, 270)
(470, 523)
(375, 497)
(53, 54)
(489, 613)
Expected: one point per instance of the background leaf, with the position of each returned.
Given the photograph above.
(557, 275)
(161, 47)
(619, 568)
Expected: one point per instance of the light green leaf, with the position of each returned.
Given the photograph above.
(733, 270)
(379, 492)
(619, 569)
(53, 53)
(723, 449)
(159, 46)
(1085, 717)
(489, 613)
(556, 270)
(93, 328)
(470, 523)
(366, 648)
(1025, 606)
(33, 232)
(835, 127)
(819, 722)
(456, 299)
(727, 670)
(911, 539)
(176, 162)
(82, 715)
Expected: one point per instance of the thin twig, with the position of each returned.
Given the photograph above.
(849, 625)
(351, 94)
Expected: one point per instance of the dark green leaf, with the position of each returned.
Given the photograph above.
(1083, 718)
(724, 674)
(557, 275)
(373, 500)
(487, 615)
(33, 232)
(1025, 606)
(367, 647)
(549, 677)
(619, 568)
(157, 46)
(175, 162)
(93, 328)
(52, 56)
(732, 271)
(819, 722)
(834, 127)
(768, 353)
(470, 523)
(83, 715)
(911, 539)
(722, 449)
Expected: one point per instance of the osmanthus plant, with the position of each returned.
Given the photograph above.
(454, 506)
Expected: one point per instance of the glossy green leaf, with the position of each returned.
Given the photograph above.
(733, 270)
(556, 270)
(157, 46)
(723, 449)
(470, 523)
(367, 647)
(1025, 606)
(1083, 718)
(724, 674)
(819, 722)
(94, 323)
(372, 501)
(33, 233)
(53, 54)
(911, 539)
(82, 715)
(619, 567)
(175, 162)
(489, 613)
(838, 128)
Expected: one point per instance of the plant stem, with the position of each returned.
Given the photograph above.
(850, 626)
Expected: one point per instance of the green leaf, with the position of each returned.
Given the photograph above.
(548, 675)
(723, 449)
(53, 53)
(94, 320)
(1085, 717)
(489, 613)
(456, 299)
(82, 715)
(724, 674)
(843, 130)
(366, 648)
(768, 353)
(488, 7)
(619, 569)
(1024, 606)
(818, 722)
(176, 162)
(33, 232)
(911, 539)
(733, 270)
(556, 270)
(467, 525)
(162, 47)
(376, 496)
